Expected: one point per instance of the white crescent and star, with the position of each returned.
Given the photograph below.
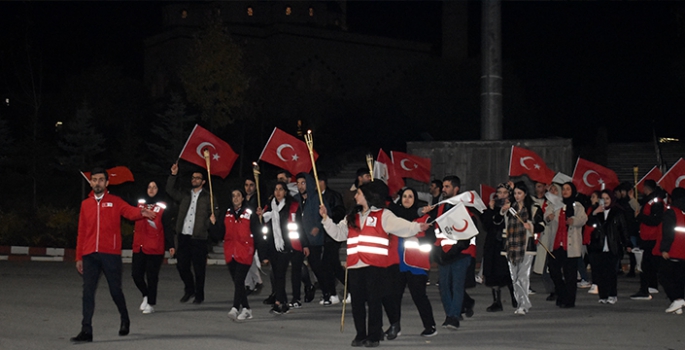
(466, 225)
(280, 149)
(405, 167)
(678, 180)
(523, 163)
(586, 175)
(200, 149)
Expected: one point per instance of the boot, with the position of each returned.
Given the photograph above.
(497, 301)
(514, 303)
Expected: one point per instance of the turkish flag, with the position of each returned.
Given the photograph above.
(410, 166)
(117, 175)
(654, 174)
(527, 162)
(674, 177)
(385, 170)
(221, 155)
(287, 152)
(487, 193)
(589, 177)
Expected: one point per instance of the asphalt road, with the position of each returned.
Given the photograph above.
(40, 308)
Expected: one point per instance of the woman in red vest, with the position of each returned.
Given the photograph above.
(672, 248)
(150, 239)
(284, 238)
(366, 230)
(237, 230)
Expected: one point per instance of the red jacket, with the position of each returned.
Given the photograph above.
(238, 240)
(148, 235)
(99, 224)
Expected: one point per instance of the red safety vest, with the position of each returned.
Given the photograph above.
(370, 244)
(650, 233)
(415, 254)
(677, 250)
(446, 243)
(238, 240)
(148, 235)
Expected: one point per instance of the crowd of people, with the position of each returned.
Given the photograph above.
(391, 243)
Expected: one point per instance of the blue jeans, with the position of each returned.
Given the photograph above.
(452, 280)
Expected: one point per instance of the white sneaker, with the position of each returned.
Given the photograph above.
(335, 299)
(653, 291)
(148, 309)
(603, 301)
(520, 311)
(676, 305)
(584, 284)
(612, 300)
(348, 300)
(593, 289)
(245, 314)
(143, 304)
(233, 314)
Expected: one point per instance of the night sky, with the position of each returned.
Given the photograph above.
(577, 66)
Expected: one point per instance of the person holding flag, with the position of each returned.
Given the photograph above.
(672, 248)
(366, 229)
(650, 220)
(523, 223)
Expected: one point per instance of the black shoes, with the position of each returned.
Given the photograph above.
(393, 331)
(451, 323)
(551, 297)
(186, 297)
(496, 306)
(270, 300)
(280, 309)
(357, 343)
(125, 327)
(371, 343)
(82, 337)
(198, 301)
(429, 332)
(309, 293)
(468, 312)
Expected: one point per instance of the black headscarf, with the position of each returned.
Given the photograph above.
(409, 214)
(570, 200)
(159, 197)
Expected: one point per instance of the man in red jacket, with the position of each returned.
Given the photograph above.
(98, 248)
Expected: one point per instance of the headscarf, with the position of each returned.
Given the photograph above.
(409, 214)
(570, 200)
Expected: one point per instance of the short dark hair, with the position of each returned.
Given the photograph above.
(454, 179)
(301, 176)
(362, 171)
(283, 171)
(677, 193)
(99, 170)
(323, 176)
(437, 183)
(651, 184)
(201, 173)
(249, 178)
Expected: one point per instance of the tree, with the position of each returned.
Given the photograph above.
(213, 78)
(169, 133)
(80, 143)
(6, 142)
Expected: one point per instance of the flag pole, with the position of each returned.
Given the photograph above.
(310, 145)
(513, 212)
(209, 177)
(635, 170)
(344, 304)
(369, 163)
(256, 173)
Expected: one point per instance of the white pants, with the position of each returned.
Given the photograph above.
(520, 278)
(253, 278)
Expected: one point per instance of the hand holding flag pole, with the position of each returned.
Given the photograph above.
(310, 145)
(209, 177)
(256, 173)
(516, 215)
(369, 163)
(635, 170)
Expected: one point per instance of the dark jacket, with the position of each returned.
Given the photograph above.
(655, 217)
(267, 248)
(202, 212)
(668, 229)
(614, 228)
(309, 212)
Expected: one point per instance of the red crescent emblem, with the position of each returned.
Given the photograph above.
(473, 197)
(466, 225)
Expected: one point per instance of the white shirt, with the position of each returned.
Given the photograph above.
(189, 221)
(606, 243)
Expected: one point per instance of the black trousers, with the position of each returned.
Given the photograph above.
(281, 260)
(649, 266)
(321, 270)
(392, 301)
(93, 265)
(672, 276)
(238, 274)
(331, 257)
(368, 286)
(604, 273)
(147, 266)
(417, 289)
(192, 252)
(563, 271)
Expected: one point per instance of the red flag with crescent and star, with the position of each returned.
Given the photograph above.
(287, 152)
(654, 174)
(117, 175)
(487, 193)
(413, 167)
(526, 162)
(221, 155)
(589, 177)
(384, 169)
(674, 177)
(456, 223)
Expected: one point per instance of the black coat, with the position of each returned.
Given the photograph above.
(614, 228)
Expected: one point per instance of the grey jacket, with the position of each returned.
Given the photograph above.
(202, 212)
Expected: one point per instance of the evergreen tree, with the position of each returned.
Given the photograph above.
(6, 142)
(80, 143)
(170, 132)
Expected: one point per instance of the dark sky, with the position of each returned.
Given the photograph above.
(580, 65)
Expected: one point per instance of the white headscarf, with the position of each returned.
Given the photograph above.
(276, 223)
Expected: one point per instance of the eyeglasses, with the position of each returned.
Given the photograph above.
(197, 177)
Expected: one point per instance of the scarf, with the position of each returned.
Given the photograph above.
(276, 223)
(517, 236)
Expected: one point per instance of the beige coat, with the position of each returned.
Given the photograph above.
(575, 236)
